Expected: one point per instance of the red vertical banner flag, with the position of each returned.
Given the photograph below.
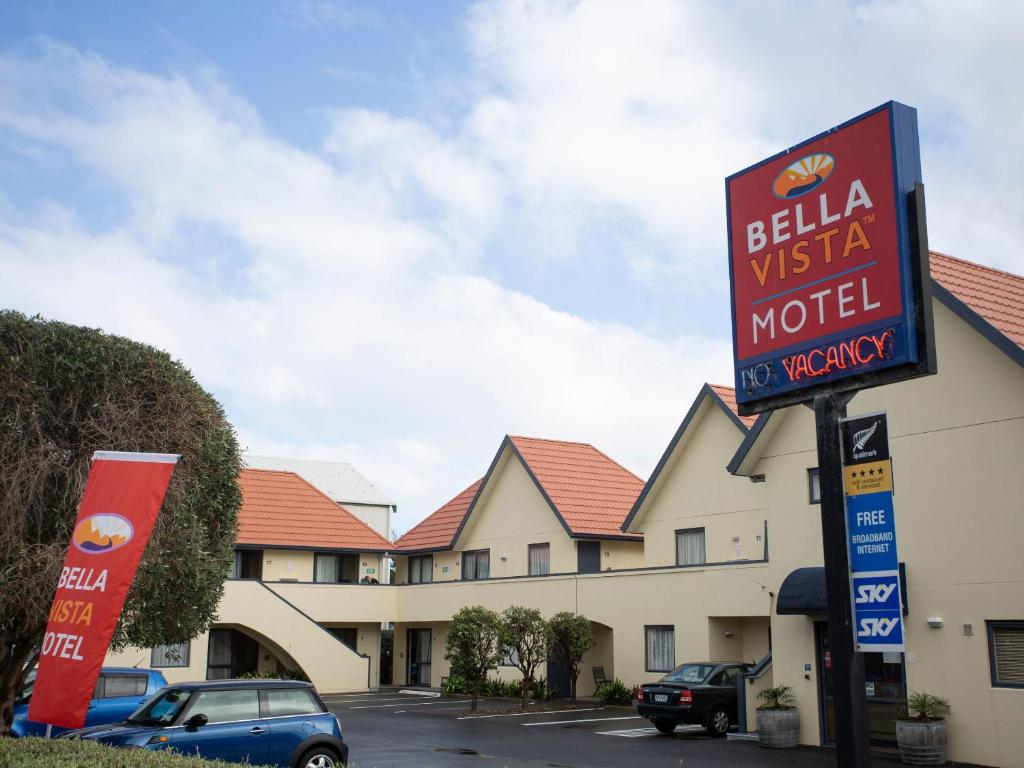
(122, 498)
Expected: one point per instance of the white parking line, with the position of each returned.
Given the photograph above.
(421, 704)
(356, 701)
(524, 714)
(630, 733)
(585, 720)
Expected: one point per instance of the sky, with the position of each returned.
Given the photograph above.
(390, 233)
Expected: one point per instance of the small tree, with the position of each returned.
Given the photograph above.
(66, 392)
(525, 636)
(571, 638)
(472, 646)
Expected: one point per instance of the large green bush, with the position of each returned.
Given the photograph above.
(71, 753)
(615, 693)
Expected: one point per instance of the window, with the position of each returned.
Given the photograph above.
(476, 564)
(227, 706)
(289, 701)
(122, 685)
(1006, 653)
(509, 657)
(690, 546)
(175, 655)
(540, 559)
(248, 564)
(421, 569)
(335, 569)
(660, 645)
(814, 485)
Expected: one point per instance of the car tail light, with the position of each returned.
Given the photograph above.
(685, 697)
(640, 695)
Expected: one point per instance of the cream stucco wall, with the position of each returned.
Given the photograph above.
(956, 440)
(510, 515)
(694, 491)
(298, 565)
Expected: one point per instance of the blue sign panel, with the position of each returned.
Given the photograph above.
(878, 611)
(871, 528)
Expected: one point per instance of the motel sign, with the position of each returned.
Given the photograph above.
(826, 286)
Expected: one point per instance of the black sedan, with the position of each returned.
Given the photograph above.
(697, 693)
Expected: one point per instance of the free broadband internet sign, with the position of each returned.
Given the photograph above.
(828, 263)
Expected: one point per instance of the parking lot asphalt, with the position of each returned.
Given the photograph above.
(389, 729)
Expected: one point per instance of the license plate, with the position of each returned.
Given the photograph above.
(660, 698)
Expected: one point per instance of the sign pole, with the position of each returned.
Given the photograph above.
(848, 694)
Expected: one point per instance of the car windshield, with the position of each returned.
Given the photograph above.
(689, 673)
(162, 708)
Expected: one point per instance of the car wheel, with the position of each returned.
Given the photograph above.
(320, 757)
(665, 726)
(718, 722)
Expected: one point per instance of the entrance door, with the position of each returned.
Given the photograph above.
(559, 679)
(231, 653)
(419, 657)
(885, 684)
(588, 556)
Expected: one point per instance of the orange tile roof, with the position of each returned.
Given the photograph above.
(592, 493)
(728, 395)
(995, 295)
(281, 509)
(438, 530)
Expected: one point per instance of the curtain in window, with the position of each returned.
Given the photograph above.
(421, 569)
(476, 565)
(661, 649)
(326, 568)
(483, 564)
(540, 559)
(170, 655)
(690, 547)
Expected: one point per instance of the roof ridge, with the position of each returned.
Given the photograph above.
(976, 265)
(551, 440)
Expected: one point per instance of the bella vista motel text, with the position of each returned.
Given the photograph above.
(717, 556)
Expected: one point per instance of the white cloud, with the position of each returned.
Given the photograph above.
(339, 299)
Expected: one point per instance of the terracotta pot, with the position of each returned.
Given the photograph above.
(922, 742)
(778, 728)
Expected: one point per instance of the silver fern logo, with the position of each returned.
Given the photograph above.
(860, 439)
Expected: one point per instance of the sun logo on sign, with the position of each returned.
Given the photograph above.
(804, 175)
(101, 533)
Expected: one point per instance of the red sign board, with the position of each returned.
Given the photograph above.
(820, 258)
(119, 507)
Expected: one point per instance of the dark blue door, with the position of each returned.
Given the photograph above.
(234, 730)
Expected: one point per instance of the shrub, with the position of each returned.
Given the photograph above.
(72, 753)
(925, 707)
(539, 690)
(453, 685)
(779, 697)
(288, 674)
(471, 646)
(614, 693)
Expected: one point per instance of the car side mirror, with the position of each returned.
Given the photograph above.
(196, 721)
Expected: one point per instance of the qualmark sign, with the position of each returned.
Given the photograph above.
(820, 261)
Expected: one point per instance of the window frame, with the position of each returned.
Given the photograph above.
(475, 552)
(990, 627)
(812, 473)
(421, 561)
(545, 546)
(647, 655)
(704, 537)
(236, 571)
(187, 656)
(197, 695)
(266, 712)
(337, 567)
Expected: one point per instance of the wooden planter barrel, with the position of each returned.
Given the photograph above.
(922, 742)
(778, 728)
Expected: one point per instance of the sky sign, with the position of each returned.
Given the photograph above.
(825, 286)
(871, 535)
(120, 505)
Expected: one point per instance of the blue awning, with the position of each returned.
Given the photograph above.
(802, 593)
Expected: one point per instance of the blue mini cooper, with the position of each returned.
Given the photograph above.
(275, 722)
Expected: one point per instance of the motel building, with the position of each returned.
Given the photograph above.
(717, 556)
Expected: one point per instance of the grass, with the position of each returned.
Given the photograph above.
(71, 753)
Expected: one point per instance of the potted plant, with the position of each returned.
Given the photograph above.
(778, 721)
(921, 730)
